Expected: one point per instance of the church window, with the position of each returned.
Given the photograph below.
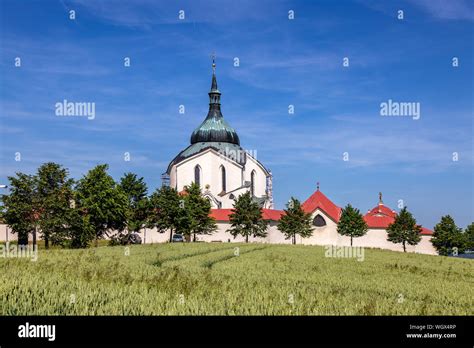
(319, 221)
(252, 183)
(197, 175)
(224, 179)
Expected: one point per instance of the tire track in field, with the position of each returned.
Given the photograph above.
(159, 263)
(211, 263)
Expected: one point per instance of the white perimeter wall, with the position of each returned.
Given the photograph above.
(327, 235)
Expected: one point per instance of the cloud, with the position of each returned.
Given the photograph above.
(442, 9)
(439, 9)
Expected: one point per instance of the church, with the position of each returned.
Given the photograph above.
(216, 161)
(224, 170)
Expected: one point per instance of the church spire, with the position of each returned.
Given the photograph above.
(214, 128)
(214, 94)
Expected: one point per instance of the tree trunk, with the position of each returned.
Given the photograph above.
(171, 235)
(294, 239)
(351, 241)
(96, 242)
(46, 242)
(23, 238)
(404, 248)
(194, 237)
(34, 236)
(246, 239)
(144, 235)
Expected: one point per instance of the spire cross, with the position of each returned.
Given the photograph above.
(317, 185)
(380, 198)
(213, 56)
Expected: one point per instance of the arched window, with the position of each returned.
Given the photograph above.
(252, 183)
(224, 179)
(197, 175)
(319, 221)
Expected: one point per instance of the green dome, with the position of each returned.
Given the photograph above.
(214, 128)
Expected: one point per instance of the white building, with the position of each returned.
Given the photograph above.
(216, 161)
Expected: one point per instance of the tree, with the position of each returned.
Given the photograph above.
(166, 210)
(135, 190)
(351, 223)
(295, 221)
(469, 234)
(54, 196)
(101, 203)
(196, 218)
(404, 229)
(21, 207)
(246, 218)
(448, 236)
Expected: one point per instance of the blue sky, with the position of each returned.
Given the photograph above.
(282, 62)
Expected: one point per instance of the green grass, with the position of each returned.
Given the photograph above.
(208, 279)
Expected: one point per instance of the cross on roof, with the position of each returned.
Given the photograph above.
(213, 56)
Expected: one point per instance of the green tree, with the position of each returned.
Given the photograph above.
(448, 236)
(246, 218)
(404, 229)
(102, 204)
(351, 223)
(295, 221)
(196, 218)
(166, 210)
(135, 190)
(55, 194)
(21, 208)
(469, 233)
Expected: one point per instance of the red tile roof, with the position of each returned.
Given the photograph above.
(381, 216)
(374, 221)
(426, 231)
(319, 200)
(268, 214)
(384, 210)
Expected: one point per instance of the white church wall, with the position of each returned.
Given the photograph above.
(324, 235)
(375, 238)
(210, 163)
(6, 234)
(260, 176)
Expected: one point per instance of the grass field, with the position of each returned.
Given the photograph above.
(208, 279)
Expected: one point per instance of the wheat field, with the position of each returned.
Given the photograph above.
(233, 279)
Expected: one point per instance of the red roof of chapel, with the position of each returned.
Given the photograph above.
(319, 200)
(268, 214)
